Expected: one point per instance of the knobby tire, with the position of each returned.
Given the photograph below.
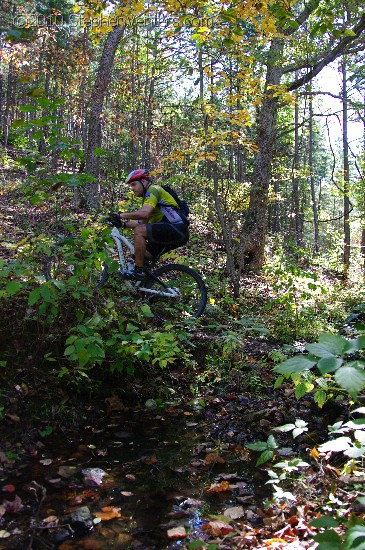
(193, 293)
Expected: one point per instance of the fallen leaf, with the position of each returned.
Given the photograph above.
(177, 533)
(218, 528)
(13, 417)
(4, 534)
(46, 461)
(274, 542)
(171, 410)
(90, 544)
(93, 476)
(51, 521)
(149, 459)
(214, 458)
(234, 512)
(11, 506)
(115, 403)
(131, 477)
(314, 453)
(67, 471)
(107, 513)
(293, 521)
(219, 487)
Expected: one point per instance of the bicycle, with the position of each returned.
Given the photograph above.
(173, 291)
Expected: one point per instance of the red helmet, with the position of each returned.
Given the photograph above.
(138, 174)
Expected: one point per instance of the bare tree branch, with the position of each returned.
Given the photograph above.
(330, 56)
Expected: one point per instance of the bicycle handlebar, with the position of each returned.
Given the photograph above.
(114, 219)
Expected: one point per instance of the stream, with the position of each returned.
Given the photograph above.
(144, 479)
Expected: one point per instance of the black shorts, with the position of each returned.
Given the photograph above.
(162, 235)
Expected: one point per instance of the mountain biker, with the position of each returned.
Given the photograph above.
(157, 224)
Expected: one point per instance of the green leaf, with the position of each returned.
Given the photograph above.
(351, 377)
(70, 350)
(336, 344)
(36, 92)
(299, 431)
(238, 31)
(351, 346)
(319, 350)
(359, 410)
(45, 292)
(320, 397)
(271, 442)
(356, 423)
(329, 540)
(301, 423)
(349, 32)
(324, 521)
(278, 382)
(19, 123)
(361, 342)
(258, 446)
(34, 296)
(355, 537)
(229, 15)
(298, 363)
(146, 310)
(295, 25)
(264, 457)
(329, 364)
(83, 356)
(285, 428)
(99, 151)
(302, 388)
(12, 287)
(355, 452)
(336, 445)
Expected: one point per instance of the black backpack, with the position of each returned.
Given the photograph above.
(182, 204)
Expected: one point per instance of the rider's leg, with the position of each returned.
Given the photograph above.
(140, 235)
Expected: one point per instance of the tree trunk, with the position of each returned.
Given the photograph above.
(254, 231)
(9, 102)
(346, 175)
(311, 178)
(363, 214)
(295, 210)
(97, 101)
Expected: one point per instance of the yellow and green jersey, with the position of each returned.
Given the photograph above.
(164, 205)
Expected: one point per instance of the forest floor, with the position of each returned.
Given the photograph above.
(157, 459)
(125, 472)
(115, 466)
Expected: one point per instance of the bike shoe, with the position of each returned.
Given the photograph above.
(133, 274)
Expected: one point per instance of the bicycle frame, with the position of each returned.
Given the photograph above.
(119, 240)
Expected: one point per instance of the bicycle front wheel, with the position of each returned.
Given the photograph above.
(189, 293)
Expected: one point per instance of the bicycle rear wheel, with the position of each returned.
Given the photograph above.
(190, 293)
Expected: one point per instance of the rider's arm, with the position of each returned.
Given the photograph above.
(132, 225)
(142, 214)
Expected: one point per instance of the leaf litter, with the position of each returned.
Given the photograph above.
(168, 480)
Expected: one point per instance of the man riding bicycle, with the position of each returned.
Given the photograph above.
(158, 224)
